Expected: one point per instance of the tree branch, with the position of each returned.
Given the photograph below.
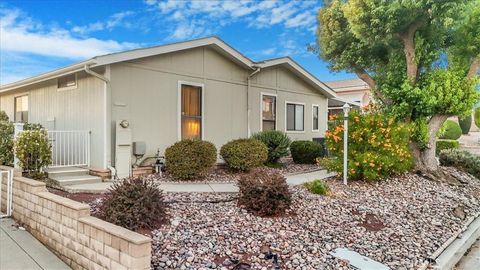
(363, 75)
(474, 67)
(408, 39)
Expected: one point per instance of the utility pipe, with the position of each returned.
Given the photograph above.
(257, 70)
(105, 124)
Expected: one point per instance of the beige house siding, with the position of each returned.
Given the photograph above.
(287, 88)
(75, 109)
(145, 92)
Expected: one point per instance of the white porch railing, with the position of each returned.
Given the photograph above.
(6, 193)
(70, 148)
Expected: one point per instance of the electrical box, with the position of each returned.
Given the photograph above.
(123, 149)
(139, 148)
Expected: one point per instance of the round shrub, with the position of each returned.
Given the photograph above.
(451, 130)
(477, 117)
(446, 144)
(33, 151)
(188, 159)
(244, 154)
(465, 123)
(317, 187)
(306, 152)
(134, 203)
(6, 143)
(3, 116)
(264, 193)
(277, 143)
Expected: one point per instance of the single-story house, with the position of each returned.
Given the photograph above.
(201, 89)
(351, 90)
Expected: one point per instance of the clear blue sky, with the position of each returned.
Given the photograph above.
(40, 35)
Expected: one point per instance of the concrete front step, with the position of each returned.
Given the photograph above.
(76, 180)
(66, 171)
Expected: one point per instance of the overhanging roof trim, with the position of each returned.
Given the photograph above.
(174, 47)
(301, 71)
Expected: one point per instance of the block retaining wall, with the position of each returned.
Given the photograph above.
(66, 227)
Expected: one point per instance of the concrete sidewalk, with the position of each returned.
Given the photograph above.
(471, 260)
(19, 250)
(293, 180)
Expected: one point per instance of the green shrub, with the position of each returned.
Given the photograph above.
(477, 117)
(378, 147)
(446, 144)
(264, 193)
(33, 151)
(134, 203)
(451, 130)
(317, 187)
(306, 152)
(465, 123)
(244, 154)
(277, 143)
(188, 159)
(6, 143)
(32, 126)
(462, 160)
(3, 116)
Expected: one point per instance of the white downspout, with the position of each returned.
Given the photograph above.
(105, 124)
(249, 131)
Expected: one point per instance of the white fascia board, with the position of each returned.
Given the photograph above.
(163, 49)
(343, 101)
(46, 76)
(327, 91)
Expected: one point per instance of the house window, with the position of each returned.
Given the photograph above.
(21, 109)
(191, 112)
(67, 82)
(315, 110)
(295, 117)
(269, 112)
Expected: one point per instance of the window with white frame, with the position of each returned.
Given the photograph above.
(315, 111)
(295, 116)
(21, 109)
(269, 112)
(67, 82)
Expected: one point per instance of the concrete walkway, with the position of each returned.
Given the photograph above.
(471, 260)
(470, 142)
(19, 250)
(292, 180)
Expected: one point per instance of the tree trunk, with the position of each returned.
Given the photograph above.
(474, 67)
(425, 160)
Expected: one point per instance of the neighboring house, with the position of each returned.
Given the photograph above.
(351, 90)
(201, 89)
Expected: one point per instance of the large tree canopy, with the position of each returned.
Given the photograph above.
(419, 57)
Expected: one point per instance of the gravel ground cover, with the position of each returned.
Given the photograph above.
(399, 222)
(222, 175)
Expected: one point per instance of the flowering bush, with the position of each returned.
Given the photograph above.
(377, 147)
(32, 149)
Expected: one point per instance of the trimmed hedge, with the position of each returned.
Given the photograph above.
(477, 117)
(451, 130)
(465, 123)
(244, 154)
(446, 144)
(188, 159)
(277, 143)
(462, 160)
(306, 152)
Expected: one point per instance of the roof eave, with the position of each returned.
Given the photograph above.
(46, 76)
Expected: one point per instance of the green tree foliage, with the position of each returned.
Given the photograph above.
(6, 143)
(419, 57)
(477, 117)
(3, 116)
